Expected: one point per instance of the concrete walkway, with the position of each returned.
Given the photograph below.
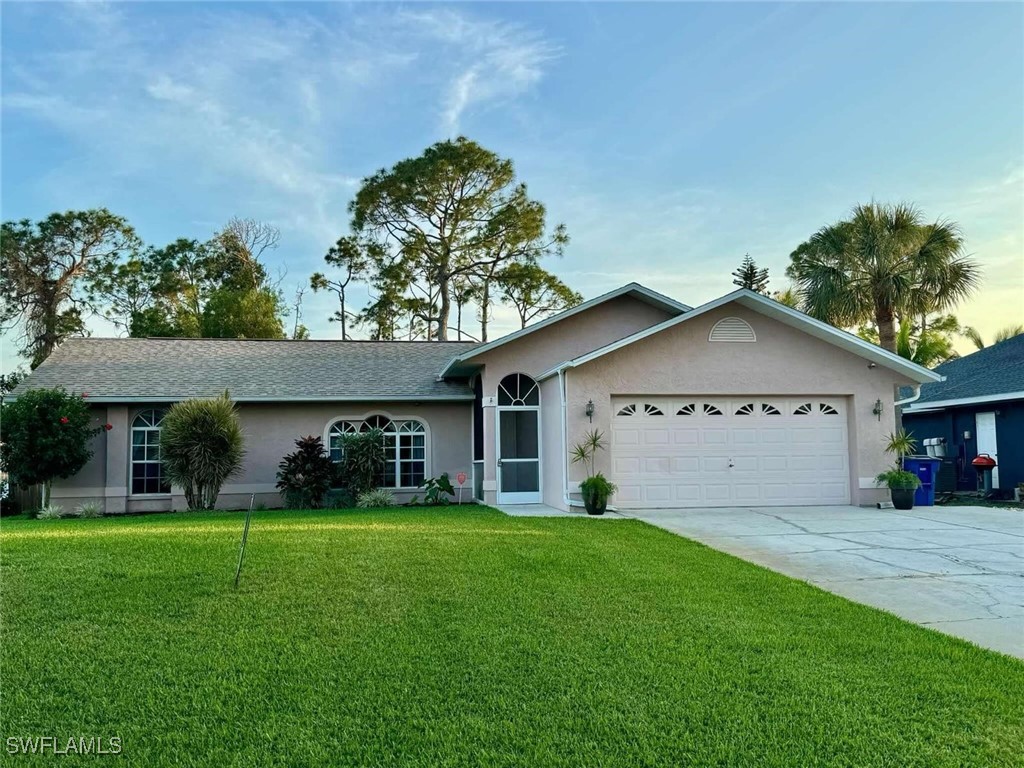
(959, 570)
(543, 510)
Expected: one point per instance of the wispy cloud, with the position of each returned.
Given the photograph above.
(492, 61)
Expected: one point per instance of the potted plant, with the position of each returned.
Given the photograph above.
(900, 482)
(596, 489)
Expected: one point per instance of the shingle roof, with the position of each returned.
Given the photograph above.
(174, 369)
(994, 370)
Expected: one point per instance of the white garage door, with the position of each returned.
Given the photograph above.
(726, 452)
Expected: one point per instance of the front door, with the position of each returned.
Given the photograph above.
(985, 426)
(518, 456)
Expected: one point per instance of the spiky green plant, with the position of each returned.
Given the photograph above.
(585, 451)
(900, 444)
(1001, 335)
(381, 497)
(201, 446)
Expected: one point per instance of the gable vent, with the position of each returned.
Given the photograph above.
(732, 329)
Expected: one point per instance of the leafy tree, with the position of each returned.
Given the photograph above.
(535, 292)
(242, 314)
(927, 344)
(882, 264)
(218, 288)
(1001, 335)
(50, 271)
(201, 446)
(454, 210)
(751, 277)
(46, 436)
(305, 476)
(351, 262)
(787, 296)
(8, 381)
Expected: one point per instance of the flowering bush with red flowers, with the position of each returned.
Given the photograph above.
(46, 435)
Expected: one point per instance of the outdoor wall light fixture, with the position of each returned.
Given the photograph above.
(877, 410)
(590, 410)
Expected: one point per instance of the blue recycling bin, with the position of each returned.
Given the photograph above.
(927, 469)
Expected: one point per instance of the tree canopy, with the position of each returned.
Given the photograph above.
(456, 211)
(750, 276)
(883, 264)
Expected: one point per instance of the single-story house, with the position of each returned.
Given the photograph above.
(978, 408)
(738, 402)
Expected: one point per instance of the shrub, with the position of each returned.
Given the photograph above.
(898, 479)
(9, 506)
(598, 488)
(362, 464)
(89, 509)
(381, 497)
(201, 446)
(50, 512)
(339, 498)
(438, 489)
(46, 435)
(305, 476)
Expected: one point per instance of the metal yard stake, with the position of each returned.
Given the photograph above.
(245, 537)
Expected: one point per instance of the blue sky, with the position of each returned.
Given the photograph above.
(671, 139)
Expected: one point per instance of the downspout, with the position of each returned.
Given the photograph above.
(914, 397)
(562, 397)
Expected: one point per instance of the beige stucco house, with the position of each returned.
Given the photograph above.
(738, 402)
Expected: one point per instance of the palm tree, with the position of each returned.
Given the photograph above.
(883, 264)
(927, 345)
(1001, 335)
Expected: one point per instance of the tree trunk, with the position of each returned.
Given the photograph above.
(485, 303)
(341, 298)
(444, 310)
(47, 487)
(458, 316)
(886, 329)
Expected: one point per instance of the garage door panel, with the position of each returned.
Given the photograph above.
(750, 450)
(713, 436)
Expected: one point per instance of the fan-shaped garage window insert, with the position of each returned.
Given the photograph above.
(827, 409)
(653, 410)
(518, 389)
(712, 410)
(687, 410)
(767, 409)
(745, 410)
(803, 410)
(732, 329)
(627, 410)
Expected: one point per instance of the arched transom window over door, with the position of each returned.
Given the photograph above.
(518, 389)
(405, 448)
(146, 469)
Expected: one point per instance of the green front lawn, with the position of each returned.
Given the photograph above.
(464, 637)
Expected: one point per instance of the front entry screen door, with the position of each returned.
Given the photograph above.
(518, 456)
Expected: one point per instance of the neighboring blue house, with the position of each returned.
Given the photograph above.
(979, 408)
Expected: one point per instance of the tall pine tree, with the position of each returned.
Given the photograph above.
(752, 277)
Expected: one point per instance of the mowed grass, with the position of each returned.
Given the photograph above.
(439, 637)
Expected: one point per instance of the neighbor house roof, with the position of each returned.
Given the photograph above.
(782, 314)
(989, 375)
(152, 370)
(634, 290)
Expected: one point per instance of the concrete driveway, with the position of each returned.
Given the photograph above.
(959, 570)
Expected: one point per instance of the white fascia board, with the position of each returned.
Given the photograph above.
(937, 405)
(653, 296)
(783, 314)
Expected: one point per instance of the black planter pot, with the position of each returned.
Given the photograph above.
(902, 498)
(590, 503)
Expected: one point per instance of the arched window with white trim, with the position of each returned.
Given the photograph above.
(405, 448)
(146, 470)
